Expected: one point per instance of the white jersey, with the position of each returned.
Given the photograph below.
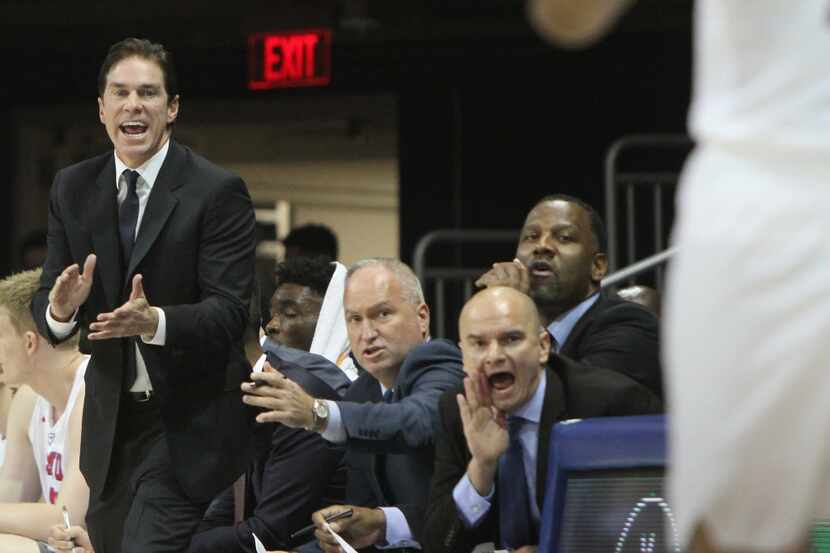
(50, 439)
(761, 79)
(2, 450)
(747, 311)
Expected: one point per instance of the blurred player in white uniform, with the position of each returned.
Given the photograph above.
(747, 336)
(41, 473)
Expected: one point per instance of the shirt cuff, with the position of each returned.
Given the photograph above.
(334, 431)
(471, 506)
(60, 329)
(160, 337)
(398, 533)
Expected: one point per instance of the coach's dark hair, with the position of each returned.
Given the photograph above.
(142, 48)
(597, 226)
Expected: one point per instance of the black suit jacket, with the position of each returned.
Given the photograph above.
(299, 474)
(390, 450)
(195, 249)
(618, 335)
(572, 391)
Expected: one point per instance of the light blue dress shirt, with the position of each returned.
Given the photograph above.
(473, 506)
(562, 326)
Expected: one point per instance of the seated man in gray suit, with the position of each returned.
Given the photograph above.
(387, 417)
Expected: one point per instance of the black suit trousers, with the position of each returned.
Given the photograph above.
(142, 507)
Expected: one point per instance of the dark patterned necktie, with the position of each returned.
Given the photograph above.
(515, 523)
(127, 220)
(128, 216)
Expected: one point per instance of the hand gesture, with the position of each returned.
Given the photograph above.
(364, 528)
(72, 540)
(287, 402)
(135, 318)
(485, 429)
(71, 289)
(513, 274)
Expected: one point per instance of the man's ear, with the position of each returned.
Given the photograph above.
(32, 342)
(544, 346)
(101, 111)
(423, 319)
(599, 267)
(173, 109)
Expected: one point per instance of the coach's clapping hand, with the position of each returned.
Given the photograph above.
(71, 289)
(285, 400)
(135, 318)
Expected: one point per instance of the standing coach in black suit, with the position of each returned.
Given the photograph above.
(560, 262)
(164, 429)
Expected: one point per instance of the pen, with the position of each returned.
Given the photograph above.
(331, 518)
(66, 521)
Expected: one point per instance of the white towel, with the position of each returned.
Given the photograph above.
(330, 337)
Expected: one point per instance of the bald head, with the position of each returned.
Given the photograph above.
(500, 301)
(502, 337)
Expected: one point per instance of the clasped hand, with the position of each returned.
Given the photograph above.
(506, 273)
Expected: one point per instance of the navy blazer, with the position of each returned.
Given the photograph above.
(195, 250)
(390, 450)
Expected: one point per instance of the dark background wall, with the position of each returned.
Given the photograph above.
(491, 117)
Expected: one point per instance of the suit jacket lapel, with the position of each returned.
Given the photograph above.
(103, 225)
(553, 410)
(580, 325)
(160, 205)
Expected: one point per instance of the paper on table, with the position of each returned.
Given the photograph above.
(343, 543)
(258, 544)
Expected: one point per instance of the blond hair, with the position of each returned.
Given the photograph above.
(16, 294)
(410, 285)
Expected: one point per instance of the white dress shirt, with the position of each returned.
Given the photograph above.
(147, 171)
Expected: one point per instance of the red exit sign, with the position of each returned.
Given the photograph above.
(289, 59)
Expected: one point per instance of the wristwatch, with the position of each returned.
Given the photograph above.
(319, 416)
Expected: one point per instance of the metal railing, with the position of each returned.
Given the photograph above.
(643, 266)
(439, 277)
(660, 182)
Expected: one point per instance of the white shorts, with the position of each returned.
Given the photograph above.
(747, 350)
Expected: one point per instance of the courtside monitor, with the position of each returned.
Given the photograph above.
(605, 488)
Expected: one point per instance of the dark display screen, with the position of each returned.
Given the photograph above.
(617, 511)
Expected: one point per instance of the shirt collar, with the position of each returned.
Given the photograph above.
(532, 410)
(562, 326)
(148, 170)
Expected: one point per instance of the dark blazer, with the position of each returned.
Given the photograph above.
(572, 391)
(389, 450)
(195, 249)
(299, 474)
(618, 335)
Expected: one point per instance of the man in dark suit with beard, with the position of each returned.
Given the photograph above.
(491, 447)
(164, 429)
(560, 262)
